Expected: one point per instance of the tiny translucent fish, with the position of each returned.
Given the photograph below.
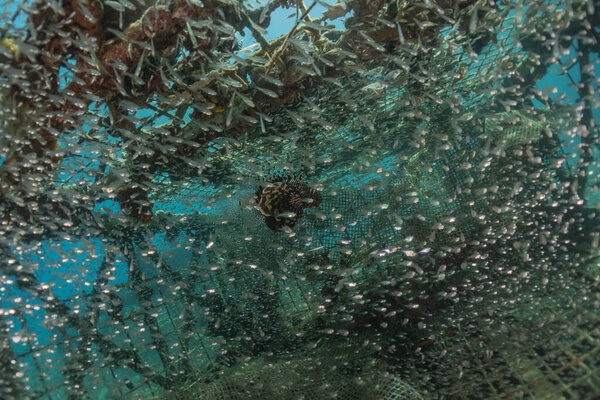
(225, 28)
(372, 42)
(324, 60)
(400, 33)
(268, 92)
(376, 87)
(271, 79)
(288, 214)
(245, 99)
(230, 81)
(257, 27)
(250, 48)
(387, 23)
(300, 44)
(348, 53)
(474, 19)
(334, 11)
(314, 106)
(295, 117)
(127, 4)
(114, 4)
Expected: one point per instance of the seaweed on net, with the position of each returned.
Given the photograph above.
(445, 196)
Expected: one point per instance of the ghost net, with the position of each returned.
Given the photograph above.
(453, 254)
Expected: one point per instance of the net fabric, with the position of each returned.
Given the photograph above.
(408, 184)
(310, 378)
(541, 348)
(417, 201)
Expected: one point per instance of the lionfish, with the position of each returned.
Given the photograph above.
(283, 200)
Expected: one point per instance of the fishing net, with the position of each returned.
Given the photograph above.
(454, 252)
(316, 377)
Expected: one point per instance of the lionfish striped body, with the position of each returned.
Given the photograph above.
(283, 200)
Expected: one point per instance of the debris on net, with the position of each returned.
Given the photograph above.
(387, 201)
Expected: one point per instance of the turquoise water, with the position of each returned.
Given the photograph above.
(444, 206)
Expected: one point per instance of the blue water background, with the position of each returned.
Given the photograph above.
(70, 266)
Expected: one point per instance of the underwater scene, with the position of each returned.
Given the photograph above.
(299, 199)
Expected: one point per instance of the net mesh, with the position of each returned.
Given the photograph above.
(454, 254)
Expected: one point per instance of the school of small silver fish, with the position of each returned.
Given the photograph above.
(281, 199)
